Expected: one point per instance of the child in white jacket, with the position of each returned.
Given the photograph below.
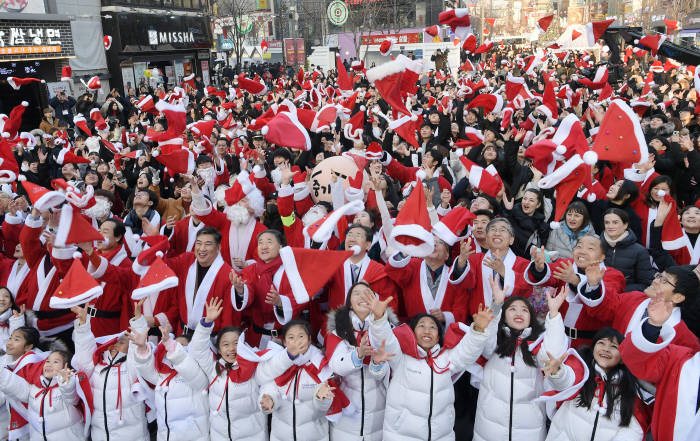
(234, 393)
(182, 410)
(119, 411)
(52, 400)
(11, 317)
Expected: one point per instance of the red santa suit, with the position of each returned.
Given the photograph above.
(9, 233)
(579, 324)
(182, 236)
(476, 275)
(371, 272)
(411, 277)
(42, 280)
(12, 274)
(675, 370)
(236, 241)
(623, 311)
(295, 231)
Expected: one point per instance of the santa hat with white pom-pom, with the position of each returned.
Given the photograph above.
(354, 128)
(451, 226)
(159, 277)
(286, 130)
(16, 83)
(73, 227)
(41, 197)
(620, 137)
(396, 79)
(76, 288)
(566, 179)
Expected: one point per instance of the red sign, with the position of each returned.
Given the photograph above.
(410, 37)
(290, 51)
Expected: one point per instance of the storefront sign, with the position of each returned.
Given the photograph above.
(23, 6)
(337, 12)
(155, 38)
(410, 37)
(146, 32)
(35, 40)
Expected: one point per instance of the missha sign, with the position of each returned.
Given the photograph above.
(155, 37)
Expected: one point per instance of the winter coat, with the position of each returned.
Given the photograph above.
(118, 409)
(52, 412)
(234, 409)
(297, 414)
(598, 207)
(527, 230)
(182, 410)
(9, 324)
(632, 260)
(506, 393)
(562, 243)
(420, 398)
(363, 383)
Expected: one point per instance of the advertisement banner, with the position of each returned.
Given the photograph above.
(301, 54)
(405, 38)
(205, 72)
(31, 40)
(128, 79)
(290, 51)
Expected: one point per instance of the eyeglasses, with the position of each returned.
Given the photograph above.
(502, 230)
(664, 279)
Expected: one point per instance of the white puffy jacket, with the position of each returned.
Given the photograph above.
(297, 414)
(363, 385)
(493, 411)
(419, 401)
(234, 408)
(574, 423)
(111, 420)
(61, 418)
(181, 408)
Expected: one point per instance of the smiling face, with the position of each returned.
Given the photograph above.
(517, 315)
(614, 226)
(606, 353)
(228, 346)
(297, 337)
(690, 220)
(5, 300)
(588, 250)
(479, 203)
(664, 286)
(206, 249)
(654, 192)
(499, 236)
(356, 236)
(427, 333)
(529, 203)
(612, 191)
(490, 153)
(268, 247)
(357, 302)
(53, 365)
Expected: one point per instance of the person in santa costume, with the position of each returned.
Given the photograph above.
(297, 388)
(431, 172)
(13, 272)
(651, 353)
(119, 410)
(52, 399)
(364, 369)
(623, 311)
(182, 233)
(579, 325)
(234, 393)
(601, 402)
(181, 407)
(689, 252)
(472, 270)
(238, 225)
(517, 348)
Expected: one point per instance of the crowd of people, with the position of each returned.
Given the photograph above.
(504, 252)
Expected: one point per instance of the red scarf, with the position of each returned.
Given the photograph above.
(265, 272)
(245, 372)
(286, 378)
(409, 346)
(162, 367)
(45, 390)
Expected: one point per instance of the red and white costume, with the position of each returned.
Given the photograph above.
(371, 272)
(183, 235)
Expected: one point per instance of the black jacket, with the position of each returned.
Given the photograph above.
(632, 260)
(524, 227)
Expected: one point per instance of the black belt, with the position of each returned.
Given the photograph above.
(54, 313)
(264, 331)
(92, 312)
(186, 330)
(574, 333)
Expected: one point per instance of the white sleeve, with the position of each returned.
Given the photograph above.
(187, 367)
(380, 330)
(201, 352)
(555, 340)
(469, 349)
(85, 346)
(14, 386)
(270, 369)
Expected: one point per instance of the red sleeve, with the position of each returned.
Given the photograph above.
(285, 205)
(303, 205)
(265, 186)
(652, 366)
(684, 337)
(215, 219)
(31, 245)
(399, 171)
(10, 237)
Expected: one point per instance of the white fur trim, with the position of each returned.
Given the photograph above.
(244, 302)
(558, 175)
(64, 225)
(285, 191)
(445, 233)
(140, 293)
(585, 300)
(415, 231)
(667, 334)
(526, 275)
(324, 232)
(63, 253)
(295, 281)
(48, 200)
(33, 222)
(286, 311)
(100, 270)
(60, 303)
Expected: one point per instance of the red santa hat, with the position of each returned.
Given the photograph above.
(92, 84)
(473, 137)
(322, 230)
(490, 102)
(66, 73)
(177, 121)
(484, 48)
(451, 226)
(672, 234)
(671, 25)
(374, 151)
(189, 81)
(306, 277)
(653, 42)
(566, 179)
(549, 103)
(74, 228)
(468, 66)
(178, 161)
(620, 137)
(517, 91)
(656, 67)
(432, 30)
(411, 233)
(458, 20)
(41, 197)
(544, 22)
(285, 130)
(483, 179)
(100, 124)
(202, 128)
(406, 128)
(396, 79)
(241, 188)
(671, 64)
(386, 46)
(145, 104)
(9, 170)
(696, 81)
(596, 29)
(80, 122)
(107, 40)
(599, 80)
(469, 44)
(11, 125)
(357, 65)
(76, 288)
(355, 126)
(158, 277)
(255, 87)
(66, 156)
(344, 80)
(16, 83)
(605, 93)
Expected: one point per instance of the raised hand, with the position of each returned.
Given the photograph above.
(555, 301)
(267, 403)
(659, 311)
(662, 212)
(288, 175)
(538, 257)
(499, 294)
(365, 348)
(273, 297)
(66, 373)
(482, 318)
(438, 314)
(236, 281)
(508, 203)
(377, 306)
(325, 392)
(380, 355)
(496, 265)
(553, 364)
(148, 228)
(465, 250)
(17, 313)
(81, 312)
(594, 274)
(138, 339)
(170, 222)
(214, 307)
(565, 273)
(138, 308)
(164, 333)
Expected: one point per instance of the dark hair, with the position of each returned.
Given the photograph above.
(105, 194)
(119, 228)
(437, 156)
(627, 188)
(203, 159)
(296, 322)
(600, 241)
(580, 208)
(151, 197)
(369, 234)
(686, 283)
(326, 205)
(373, 217)
(343, 323)
(31, 336)
(13, 305)
(225, 330)
(493, 202)
(687, 208)
(648, 200)
(281, 239)
(486, 213)
(623, 390)
(416, 318)
(64, 354)
(622, 214)
(282, 153)
(507, 339)
(212, 232)
(540, 198)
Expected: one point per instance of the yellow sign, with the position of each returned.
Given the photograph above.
(19, 50)
(262, 4)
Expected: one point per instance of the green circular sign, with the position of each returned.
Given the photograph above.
(337, 12)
